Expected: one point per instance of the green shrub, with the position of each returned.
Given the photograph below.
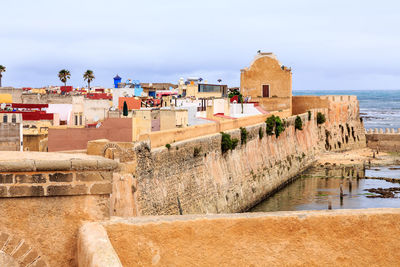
(196, 151)
(235, 142)
(227, 143)
(298, 123)
(260, 133)
(309, 115)
(279, 127)
(243, 135)
(168, 146)
(320, 118)
(275, 125)
(270, 124)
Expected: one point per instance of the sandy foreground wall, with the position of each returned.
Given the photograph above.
(366, 237)
(44, 199)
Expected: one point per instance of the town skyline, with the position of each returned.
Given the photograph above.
(161, 42)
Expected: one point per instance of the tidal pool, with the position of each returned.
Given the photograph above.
(315, 193)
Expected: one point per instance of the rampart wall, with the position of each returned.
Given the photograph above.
(194, 176)
(385, 140)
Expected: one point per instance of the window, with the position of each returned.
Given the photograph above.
(76, 119)
(14, 118)
(5, 118)
(80, 119)
(209, 88)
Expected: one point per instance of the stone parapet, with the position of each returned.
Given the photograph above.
(54, 174)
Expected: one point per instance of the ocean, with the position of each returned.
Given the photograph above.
(378, 108)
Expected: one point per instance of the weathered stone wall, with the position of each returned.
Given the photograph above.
(44, 198)
(366, 237)
(343, 128)
(195, 177)
(388, 140)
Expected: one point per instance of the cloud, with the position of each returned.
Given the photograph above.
(340, 44)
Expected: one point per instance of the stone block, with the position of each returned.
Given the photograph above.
(39, 263)
(32, 255)
(61, 177)
(53, 165)
(25, 191)
(83, 164)
(17, 166)
(6, 178)
(65, 190)
(11, 245)
(21, 251)
(106, 164)
(3, 239)
(3, 191)
(30, 179)
(100, 189)
(89, 177)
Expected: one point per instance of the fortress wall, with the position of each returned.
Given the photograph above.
(161, 138)
(43, 202)
(388, 140)
(366, 237)
(207, 181)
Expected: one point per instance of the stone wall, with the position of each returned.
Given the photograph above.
(44, 198)
(366, 237)
(195, 177)
(344, 127)
(385, 140)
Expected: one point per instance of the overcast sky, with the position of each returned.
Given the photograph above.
(329, 44)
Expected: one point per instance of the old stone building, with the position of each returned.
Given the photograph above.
(268, 82)
(11, 132)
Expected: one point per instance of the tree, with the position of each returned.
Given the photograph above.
(2, 69)
(88, 76)
(125, 109)
(64, 75)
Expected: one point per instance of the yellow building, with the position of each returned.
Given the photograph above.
(151, 120)
(6, 98)
(268, 82)
(193, 88)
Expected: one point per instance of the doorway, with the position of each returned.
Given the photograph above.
(265, 90)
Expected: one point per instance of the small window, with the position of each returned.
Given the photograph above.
(5, 118)
(14, 118)
(76, 119)
(80, 119)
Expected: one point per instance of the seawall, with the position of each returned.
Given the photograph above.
(385, 140)
(194, 176)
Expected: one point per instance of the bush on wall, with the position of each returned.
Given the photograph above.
(320, 118)
(275, 125)
(260, 133)
(243, 135)
(227, 143)
(298, 123)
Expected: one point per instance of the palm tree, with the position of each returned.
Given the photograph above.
(88, 76)
(64, 75)
(2, 69)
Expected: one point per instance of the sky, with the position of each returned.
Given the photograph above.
(328, 44)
